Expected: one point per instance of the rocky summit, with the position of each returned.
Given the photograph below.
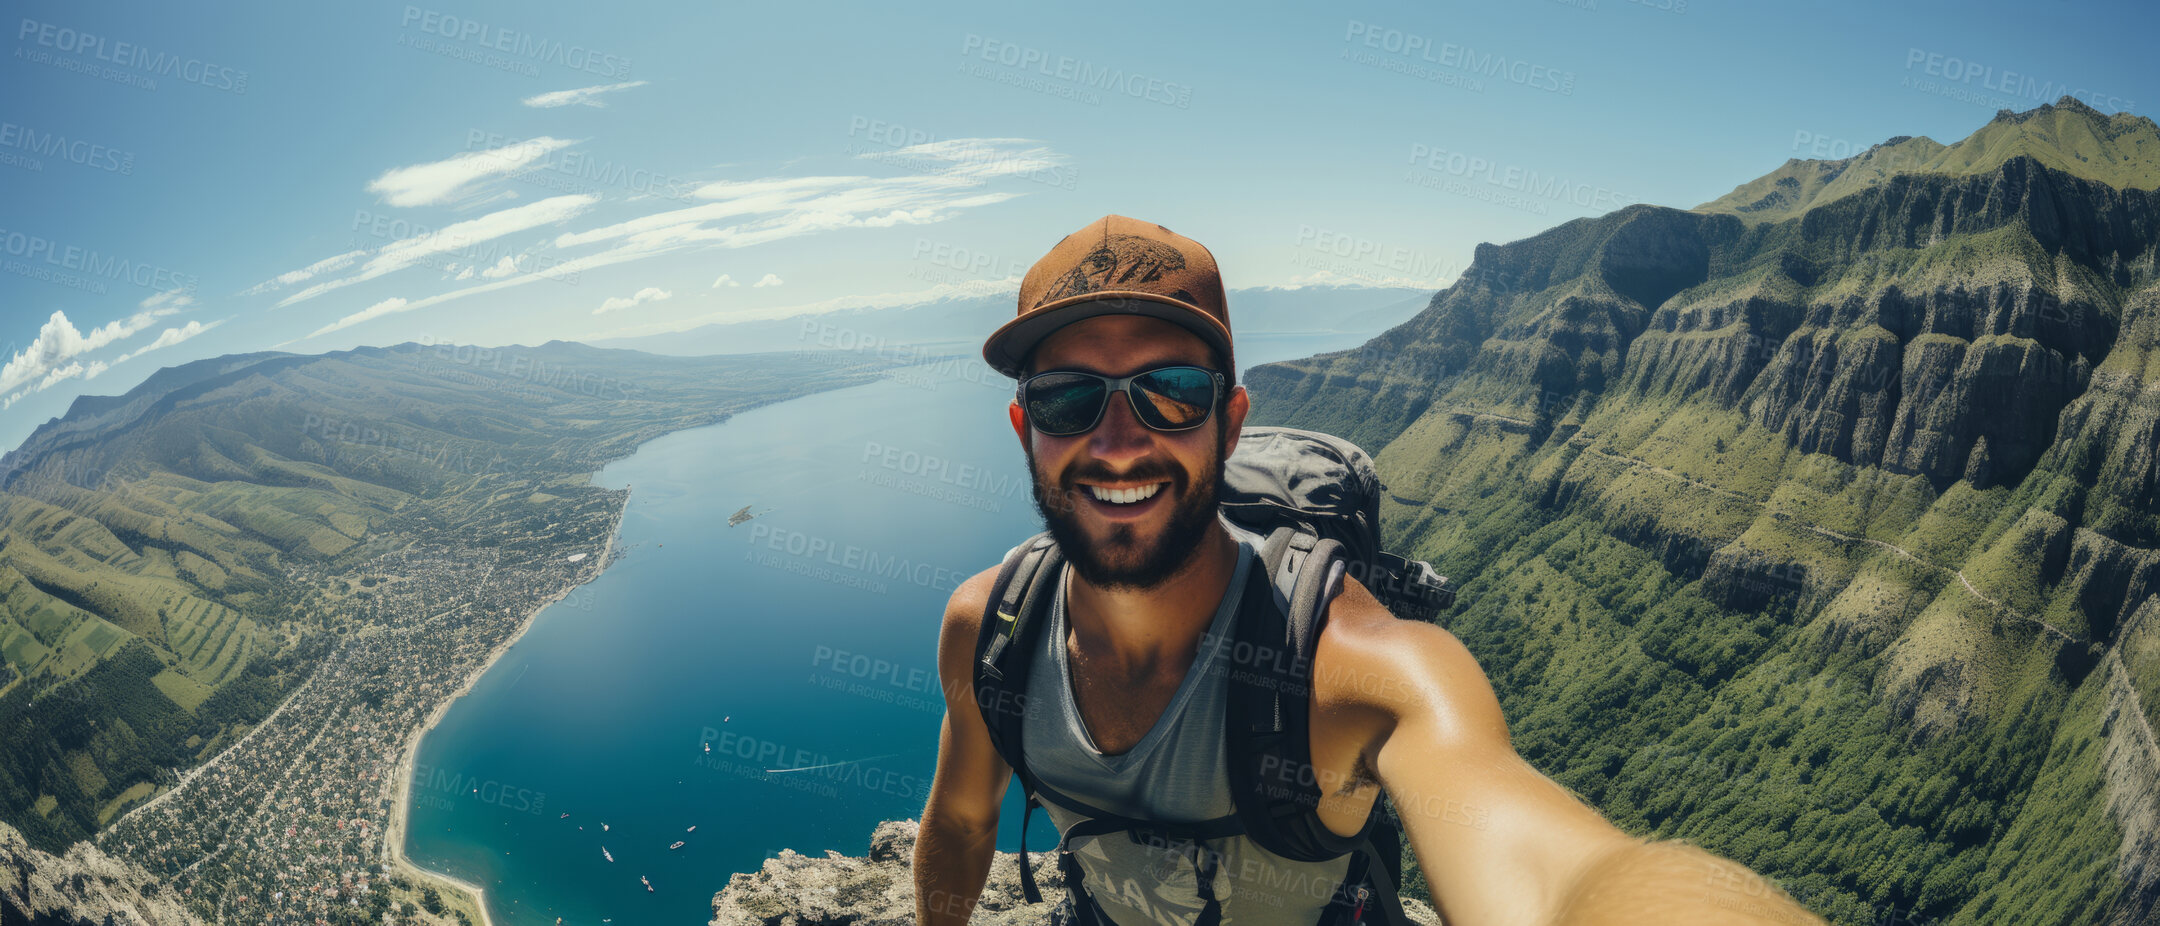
(84, 887)
(879, 889)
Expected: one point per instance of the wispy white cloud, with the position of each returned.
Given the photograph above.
(405, 252)
(978, 158)
(619, 303)
(586, 96)
(746, 213)
(770, 279)
(289, 277)
(171, 298)
(440, 181)
(724, 280)
(58, 341)
(378, 310)
(168, 338)
(505, 267)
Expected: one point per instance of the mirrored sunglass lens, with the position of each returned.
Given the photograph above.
(1063, 404)
(1177, 397)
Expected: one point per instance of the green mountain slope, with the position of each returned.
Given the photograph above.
(1830, 542)
(173, 561)
(2122, 151)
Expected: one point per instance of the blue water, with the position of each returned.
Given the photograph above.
(804, 639)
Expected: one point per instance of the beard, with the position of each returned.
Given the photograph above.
(1127, 559)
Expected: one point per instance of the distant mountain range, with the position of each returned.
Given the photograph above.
(1819, 524)
(959, 324)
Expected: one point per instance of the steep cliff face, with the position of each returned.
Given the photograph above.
(84, 887)
(1841, 490)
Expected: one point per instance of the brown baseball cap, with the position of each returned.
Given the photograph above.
(1115, 266)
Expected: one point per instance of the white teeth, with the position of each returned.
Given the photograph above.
(1125, 496)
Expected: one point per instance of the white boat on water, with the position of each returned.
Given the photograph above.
(604, 853)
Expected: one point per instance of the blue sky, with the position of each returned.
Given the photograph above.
(182, 183)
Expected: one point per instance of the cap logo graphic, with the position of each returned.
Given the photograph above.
(1120, 259)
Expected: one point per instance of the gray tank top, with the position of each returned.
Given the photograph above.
(1177, 773)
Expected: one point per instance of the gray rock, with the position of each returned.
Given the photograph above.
(85, 887)
(879, 890)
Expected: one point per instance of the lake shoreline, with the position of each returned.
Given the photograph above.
(401, 778)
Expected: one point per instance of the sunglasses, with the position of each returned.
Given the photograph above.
(1062, 403)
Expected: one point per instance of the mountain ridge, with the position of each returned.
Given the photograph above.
(1835, 523)
(2121, 150)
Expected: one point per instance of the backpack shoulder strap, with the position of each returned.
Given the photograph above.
(1023, 589)
(1272, 778)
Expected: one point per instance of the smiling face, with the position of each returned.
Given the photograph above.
(1127, 504)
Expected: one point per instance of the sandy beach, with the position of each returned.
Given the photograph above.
(400, 782)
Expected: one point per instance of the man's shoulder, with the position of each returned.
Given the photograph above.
(971, 598)
(1366, 655)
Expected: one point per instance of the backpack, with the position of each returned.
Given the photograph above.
(1316, 499)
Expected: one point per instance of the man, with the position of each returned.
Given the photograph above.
(1126, 444)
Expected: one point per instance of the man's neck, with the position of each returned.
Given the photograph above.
(1138, 630)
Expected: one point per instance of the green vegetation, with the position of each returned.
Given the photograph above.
(1813, 541)
(2122, 151)
(174, 561)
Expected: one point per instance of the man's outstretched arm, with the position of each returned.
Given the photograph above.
(1499, 842)
(959, 824)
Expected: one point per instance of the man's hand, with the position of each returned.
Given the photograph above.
(1498, 842)
(959, 824)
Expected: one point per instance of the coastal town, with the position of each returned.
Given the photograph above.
(301, 820)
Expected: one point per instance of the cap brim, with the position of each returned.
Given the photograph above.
(1007, 348)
